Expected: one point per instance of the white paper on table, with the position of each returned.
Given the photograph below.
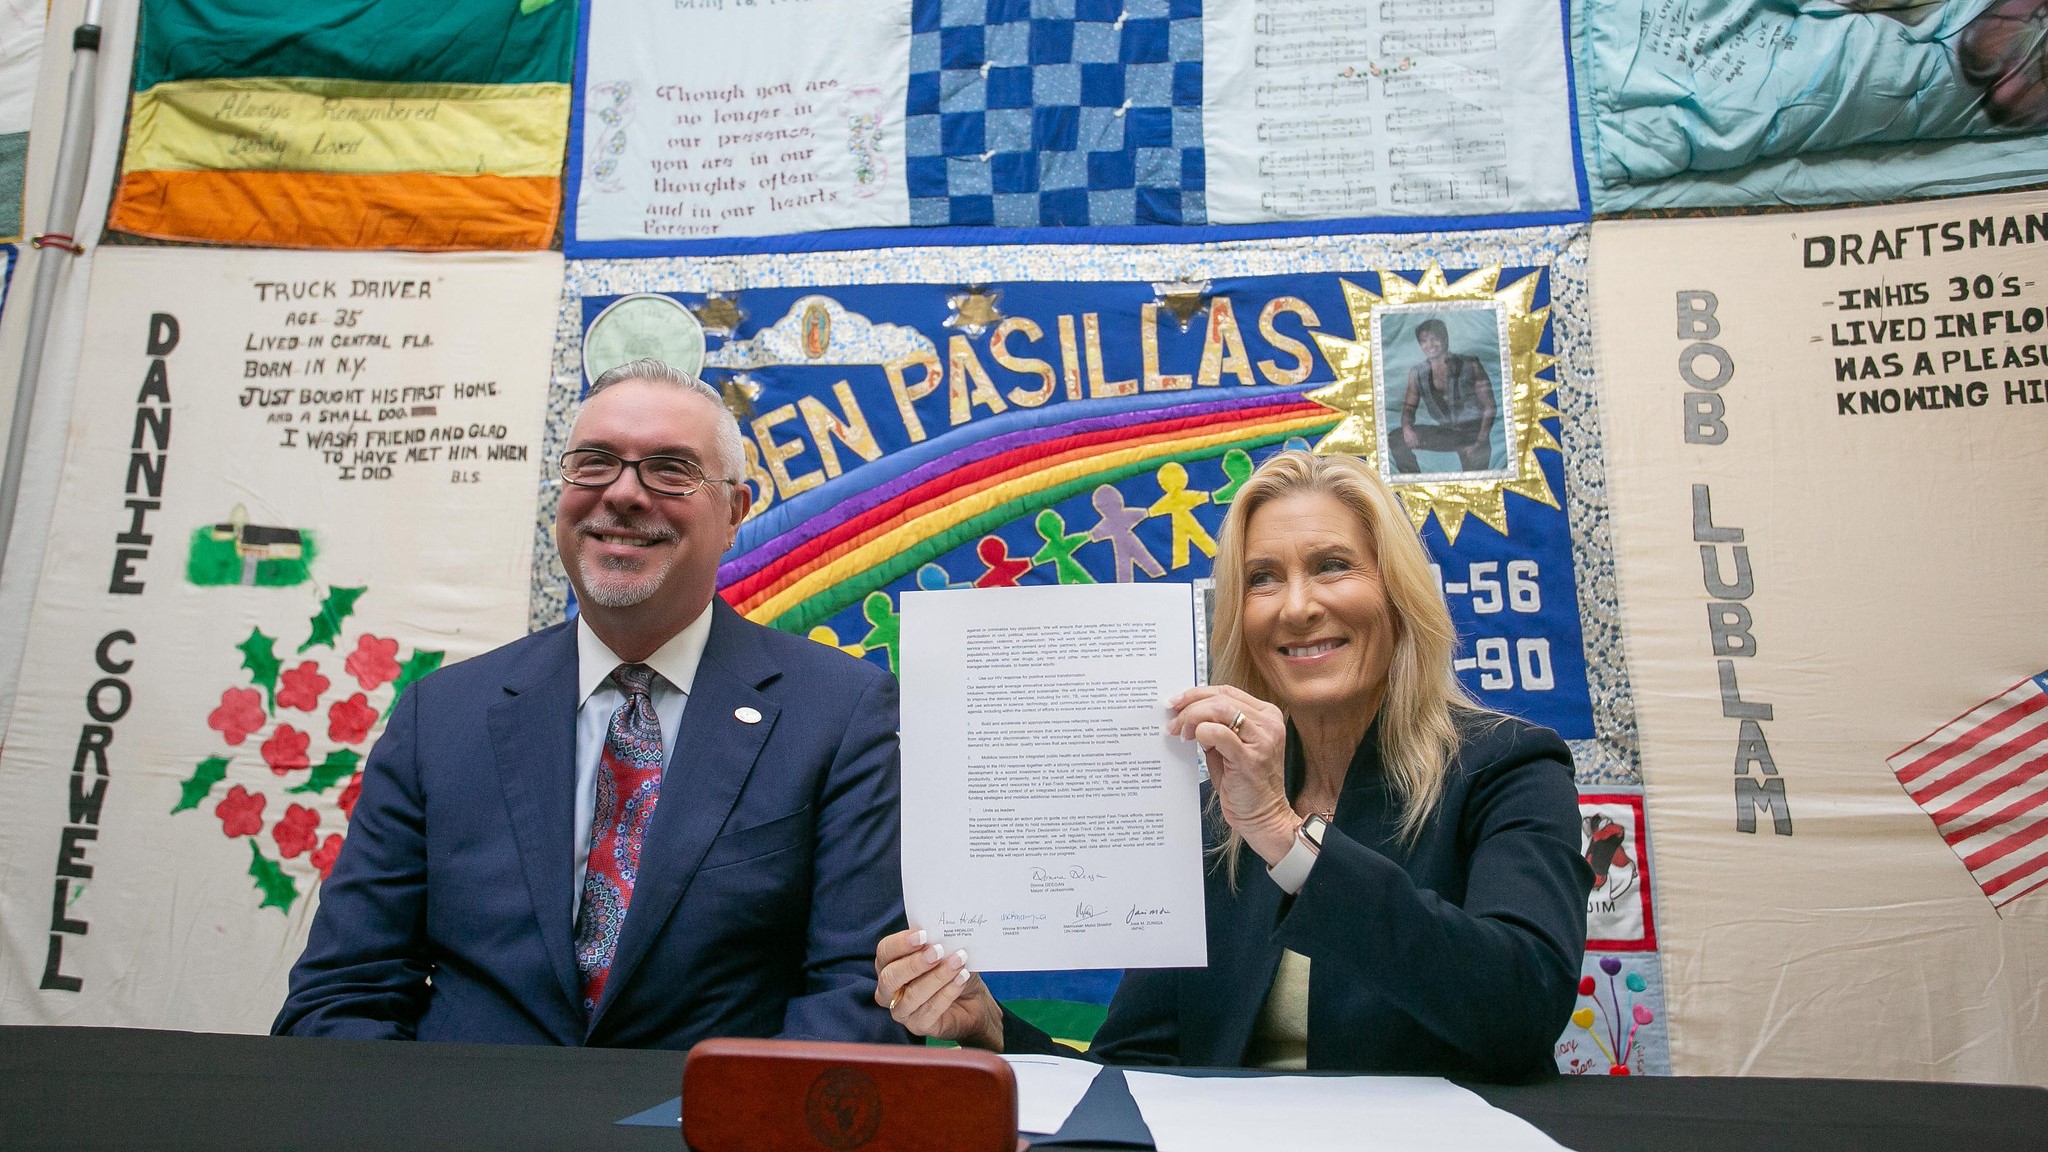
(1048, 820)
(1306, 1113)
(1048, 1087)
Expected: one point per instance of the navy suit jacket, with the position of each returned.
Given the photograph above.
(769, 872)
(1457, 957)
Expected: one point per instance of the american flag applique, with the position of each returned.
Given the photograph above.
(1983, 778)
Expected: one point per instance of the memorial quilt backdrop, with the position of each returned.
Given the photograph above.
(934, 418)
(1746, 103)
(806, 115)
(303, 482)
(48, 431)
(347, 124)
(21, 53)
(1827, 469)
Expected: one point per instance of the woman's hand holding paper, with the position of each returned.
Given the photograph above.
(934, 994)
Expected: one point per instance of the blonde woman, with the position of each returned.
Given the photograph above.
(1396, 884)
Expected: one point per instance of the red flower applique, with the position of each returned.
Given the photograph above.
(324, 855)
(350, 792)
(240, 812)
(240, 713)
(348, 721)
(285, 751)
(294, 834)
(374, 663)
(301, 687)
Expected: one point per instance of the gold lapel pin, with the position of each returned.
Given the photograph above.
(747, 715)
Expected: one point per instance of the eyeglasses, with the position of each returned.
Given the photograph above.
(667, 475)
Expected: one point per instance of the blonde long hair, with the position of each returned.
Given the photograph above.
(1418, 714)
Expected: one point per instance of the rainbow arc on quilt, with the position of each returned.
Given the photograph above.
(347, 124)
(939, 496)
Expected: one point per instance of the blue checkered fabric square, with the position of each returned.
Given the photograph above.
(1048, 112)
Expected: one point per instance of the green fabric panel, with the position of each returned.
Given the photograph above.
(13, 173)
(1061, 1019)
(447, 41)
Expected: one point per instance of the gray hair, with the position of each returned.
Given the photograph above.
(731, 453)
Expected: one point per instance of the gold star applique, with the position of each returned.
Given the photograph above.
(719, 314)
(740, 391)
(974, 311)
(1186, 299)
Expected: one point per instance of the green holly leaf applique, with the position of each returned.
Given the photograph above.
(325, 625)
(279, 890)
(416, 666)
(339, 765)
(259, 656)
(529, 7)
(210, 771)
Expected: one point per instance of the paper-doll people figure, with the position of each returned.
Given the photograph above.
(1237, 465)
(1059, 548)
(830, 639)
(933, 578)
(1179, 503)
(1003, 569)
(1117, 528)
(885, 632)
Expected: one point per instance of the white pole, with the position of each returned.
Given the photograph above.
(74, 152)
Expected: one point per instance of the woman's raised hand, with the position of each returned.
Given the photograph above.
(1246, 739)
(934, 994)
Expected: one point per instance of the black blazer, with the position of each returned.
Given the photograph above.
(1458, 957)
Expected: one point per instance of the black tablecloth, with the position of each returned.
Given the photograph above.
(90, 1088)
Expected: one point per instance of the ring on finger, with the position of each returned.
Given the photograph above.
(1237, 722)
(893, 999)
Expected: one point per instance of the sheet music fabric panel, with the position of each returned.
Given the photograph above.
(1386, 108)
(818, 114)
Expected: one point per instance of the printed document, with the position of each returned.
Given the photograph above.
(1049, 822)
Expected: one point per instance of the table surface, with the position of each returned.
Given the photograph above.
(89, 1088)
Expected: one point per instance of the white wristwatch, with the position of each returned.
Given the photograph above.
(1292, 870)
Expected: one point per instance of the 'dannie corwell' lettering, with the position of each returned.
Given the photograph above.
(106, 702)
(149, 448)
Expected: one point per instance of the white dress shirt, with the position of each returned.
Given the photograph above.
(675, 665)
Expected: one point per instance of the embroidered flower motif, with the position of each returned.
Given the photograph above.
(240, 713)
(348, 721)
(295, 833)
(240, 812)
(324, 856)
(285, 751)
(374, 663)
(301, 687)
(350, 793)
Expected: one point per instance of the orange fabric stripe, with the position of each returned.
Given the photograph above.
(411, 210)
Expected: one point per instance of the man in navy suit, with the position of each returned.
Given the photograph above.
(647, 826)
